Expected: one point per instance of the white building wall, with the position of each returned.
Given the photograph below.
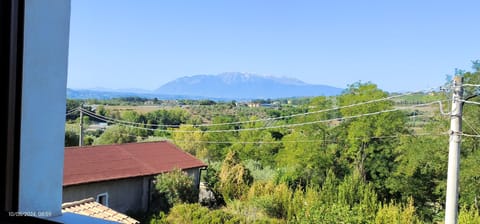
(46, 35)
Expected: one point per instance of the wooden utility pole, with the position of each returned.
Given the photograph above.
(451, 204)
(80, 140)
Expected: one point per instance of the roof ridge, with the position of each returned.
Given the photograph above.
(75, 203)
(115, 144)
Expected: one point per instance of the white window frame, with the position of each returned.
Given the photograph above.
(103, 195)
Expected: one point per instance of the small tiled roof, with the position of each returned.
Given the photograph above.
(90, 207)
(109, 162)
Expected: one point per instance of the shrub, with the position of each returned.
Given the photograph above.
(394, 213)
(196, 214)
(174, 187)
(212, 181)
(235, 178)
(274, 199)
(468, 215)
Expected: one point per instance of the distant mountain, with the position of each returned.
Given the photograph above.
(104, 94)
(244, 86)
(225, 86)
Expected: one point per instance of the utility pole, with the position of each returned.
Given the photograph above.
(80, 140)
(451, 204)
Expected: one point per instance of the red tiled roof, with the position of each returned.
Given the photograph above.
(108, 162)
(90, 207)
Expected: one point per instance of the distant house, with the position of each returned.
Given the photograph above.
(251, 104)
(97, 126)
(122, 176)
(149, 102)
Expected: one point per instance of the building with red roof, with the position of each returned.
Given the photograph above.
(122, 176)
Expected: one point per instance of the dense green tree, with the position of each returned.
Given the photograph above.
(130, 116)
(320, 103)
(234, 177)
(101, 110)
(470, 179)
(470, 153)
(174, 187)
(368, 147)
(304, 159)
(136, 119)
(257, 145)
(86, 121)
(88, 140)
(71, 138)
(116, 134)
(167, 117)
(212, 182)
(72, 105)
(207, 102)
(421, 172)
(361, 163)
(191, 140)
(218, 150)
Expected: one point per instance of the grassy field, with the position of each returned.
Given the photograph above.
(139, 109)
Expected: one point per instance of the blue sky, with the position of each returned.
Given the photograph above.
(399, 45)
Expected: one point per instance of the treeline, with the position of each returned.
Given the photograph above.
(355, 164)
(128, 100)
(370, 169)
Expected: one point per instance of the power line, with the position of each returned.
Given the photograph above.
(104, 118)
(266, 119)
(304, 141)
(292, 141)
(440, 105)
(471, 126)
(72, 111)
(281, 126)
(267, 127)
(469, 135)
(470, 102)
(119, 123)
(254, 142)
(472, 85)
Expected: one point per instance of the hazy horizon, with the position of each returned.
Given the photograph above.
(261, 75)
(133, 89)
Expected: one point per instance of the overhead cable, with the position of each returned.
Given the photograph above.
(470, 125)
(471, 102)
(266, 127)
(267, 119)
(472, 85)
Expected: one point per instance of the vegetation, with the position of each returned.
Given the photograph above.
(173, 188)
(305, 162)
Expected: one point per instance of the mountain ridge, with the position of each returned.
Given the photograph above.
(223, 86)
(244, 85)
